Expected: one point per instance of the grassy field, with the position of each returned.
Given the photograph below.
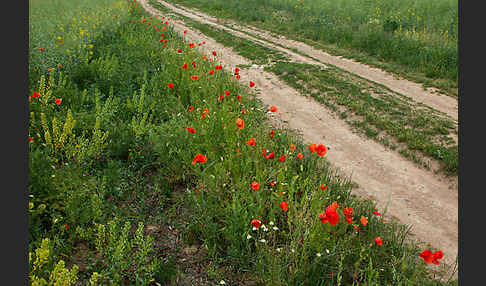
(415, 39)
(125, 141)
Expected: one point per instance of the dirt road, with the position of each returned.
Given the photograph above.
(425, 201)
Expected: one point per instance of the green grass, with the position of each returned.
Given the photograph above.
(117, 159)
(417, 40)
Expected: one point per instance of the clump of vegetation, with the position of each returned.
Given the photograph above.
(118, 127)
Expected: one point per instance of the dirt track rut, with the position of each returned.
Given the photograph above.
(425, 201)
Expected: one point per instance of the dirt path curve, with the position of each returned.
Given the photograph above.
(419, 198)
(416, 91)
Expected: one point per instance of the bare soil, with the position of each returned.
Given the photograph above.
(425, 201)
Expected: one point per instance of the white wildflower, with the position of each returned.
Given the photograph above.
(318, 254)
(248, 236)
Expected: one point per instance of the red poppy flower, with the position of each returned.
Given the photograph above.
(348, 212)
(237, 150)
(428, 256)
(227, 93)
(191, 108)
(364, 221)
(292, 147)
(272, 133)
(199, 158)
(284, 206)
(252, 84)
(321, 150)
(243, 111)
(170, 85)
(41, 49)
(185, 31)
(300, 156)
(376, 213)
(195, 77)
(273, 108)
(191, 45)
(205, 112)
(240, 123)
(164, 45)
(35, 94)
(379, 241)
(58, 100)
(330, 215)
(282, 159)
(349, 219)
(211, 72)
(251, 142)
(256, 223)
(255, 186)
(156, 29)
(191, 130)
(197, 191)
(312, 147)
(323, 187)
(237, 76)
(272, 183)
(237, 70)
(437, 255)
(66, 226)
(270, 156)
(214, 53)
(31, 139)
(221, 97)
(238, 97)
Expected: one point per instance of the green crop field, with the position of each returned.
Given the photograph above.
(139, 142)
